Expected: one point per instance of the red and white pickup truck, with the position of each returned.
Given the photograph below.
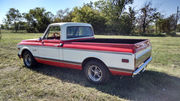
(73, 45)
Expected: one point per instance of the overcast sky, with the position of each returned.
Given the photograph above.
(166, 7)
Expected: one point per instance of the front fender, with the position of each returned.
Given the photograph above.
(21, 49)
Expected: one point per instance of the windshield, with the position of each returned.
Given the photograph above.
(79, 31)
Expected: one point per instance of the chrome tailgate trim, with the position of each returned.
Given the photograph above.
(142, 66)
(141, 56)
(141, 53)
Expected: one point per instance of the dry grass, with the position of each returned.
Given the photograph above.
(161, 81)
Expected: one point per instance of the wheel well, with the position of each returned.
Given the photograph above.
(92, 58)
(24, 51)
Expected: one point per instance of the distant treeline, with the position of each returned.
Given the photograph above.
(106, 16)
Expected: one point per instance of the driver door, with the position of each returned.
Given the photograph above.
(50, 45)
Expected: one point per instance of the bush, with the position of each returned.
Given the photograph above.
(173, 33)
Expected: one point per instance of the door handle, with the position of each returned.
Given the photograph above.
(59, 45)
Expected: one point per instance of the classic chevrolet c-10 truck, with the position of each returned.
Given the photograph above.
(73, 45)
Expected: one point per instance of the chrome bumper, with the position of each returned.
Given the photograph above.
(142, 67)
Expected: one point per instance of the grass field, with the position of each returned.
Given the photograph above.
(161, 81)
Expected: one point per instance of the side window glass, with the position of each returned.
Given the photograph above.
(54, 32)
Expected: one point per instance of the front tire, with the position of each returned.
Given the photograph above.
(28, 59)
(96, 72)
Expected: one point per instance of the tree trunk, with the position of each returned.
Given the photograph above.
(16, 27)
(156, 27)
(177, 18)
(0, 32)
(144, 24)
(144, 28)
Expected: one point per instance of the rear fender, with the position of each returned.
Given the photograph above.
(96, 57)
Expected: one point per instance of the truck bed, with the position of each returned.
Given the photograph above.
(120, 41)
(135, 45)
(113, 45)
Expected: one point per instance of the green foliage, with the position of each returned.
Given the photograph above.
(37, 20)
(147, 16)
(167, 25)
(2, 27)
(112, 9)
(178, 28)
(118, 6)
(106, 16)
(116, 22)
(87, 14)
(127, 25)
(13, 17)
(63, 16)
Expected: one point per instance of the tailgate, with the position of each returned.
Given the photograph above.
(143, 52)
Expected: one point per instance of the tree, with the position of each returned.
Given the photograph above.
(22, 25)
(147, 15)
(6, 24)
(132, 16)
(87, 14)
(63, 16)
(13, 17)
(178, 28)
(112, 11)
(2, 26)
(126, 23)
(177, 17)
(157, 17)
(118, 6)
(167, 25)
(38, 19)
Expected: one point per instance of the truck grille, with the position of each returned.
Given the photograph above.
(142, 58)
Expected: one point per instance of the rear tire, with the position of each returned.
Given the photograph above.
(28, 59)
(96, 72)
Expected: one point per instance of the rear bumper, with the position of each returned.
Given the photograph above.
(142, 67)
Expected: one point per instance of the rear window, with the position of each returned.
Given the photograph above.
(79, 31)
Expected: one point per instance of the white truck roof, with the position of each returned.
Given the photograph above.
(70, 23)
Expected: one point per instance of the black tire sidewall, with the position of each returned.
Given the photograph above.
(32, 59)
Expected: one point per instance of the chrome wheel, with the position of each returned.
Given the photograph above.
(27, 59)
(94, 73)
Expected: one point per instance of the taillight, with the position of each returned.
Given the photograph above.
(125, 60)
